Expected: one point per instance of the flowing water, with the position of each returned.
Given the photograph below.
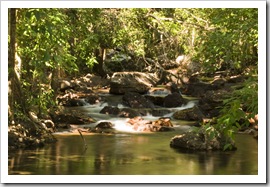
(130, 153)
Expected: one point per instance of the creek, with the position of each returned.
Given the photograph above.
(131, 153)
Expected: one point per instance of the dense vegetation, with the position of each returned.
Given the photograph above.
(46, 45)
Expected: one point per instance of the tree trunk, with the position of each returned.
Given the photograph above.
(100, 57)
(15, 92)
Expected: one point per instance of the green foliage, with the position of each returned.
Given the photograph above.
(232, 42)
(91, 61)
(242, 104)
(217, 38)
(214, 133)
(50, 41)
(43, 100)
(238, 108)
(42, 46)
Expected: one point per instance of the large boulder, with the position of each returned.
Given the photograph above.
(211, 100)
(202, 141)
(122, 82)
(92, 81)
(174, 100)
(61, 116)
(110, 110)
(197, 89)
(189, 114)
(136, 100)
(157, 100)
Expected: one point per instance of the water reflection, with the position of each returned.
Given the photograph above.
(132, 154)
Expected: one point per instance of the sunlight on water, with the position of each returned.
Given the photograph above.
(120, 125)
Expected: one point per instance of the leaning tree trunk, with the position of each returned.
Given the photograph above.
(14, 92)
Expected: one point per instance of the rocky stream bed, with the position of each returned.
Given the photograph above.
(138, 96)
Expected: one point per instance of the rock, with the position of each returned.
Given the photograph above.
(74, 102)
(65, 85)
(156, 100)
(197, 89)
(49, 124)
(119, 61)
(159, 91)
(180, 59)
(91, 98)
(136, 120)
(160, 112)
(74, 98)
(237, 79)
(135, 100)
(163, 121)
(189, 66)
(193, 79)
(219, 83)
(62, 126)
(93, 81)
(140, 125)
(110, 110)
(122, 82)
(211, 100)
(162, 125)
(200, 141)
(174, 88)
(69, 117)
(28, 134)
(189, 114)
(103, 127)
(174, 100)
(128, 113)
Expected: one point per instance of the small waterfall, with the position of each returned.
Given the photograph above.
(119, 123)
(190, 104)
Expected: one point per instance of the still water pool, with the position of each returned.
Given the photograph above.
(132, 154)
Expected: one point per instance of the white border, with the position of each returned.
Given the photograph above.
(260, 178)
